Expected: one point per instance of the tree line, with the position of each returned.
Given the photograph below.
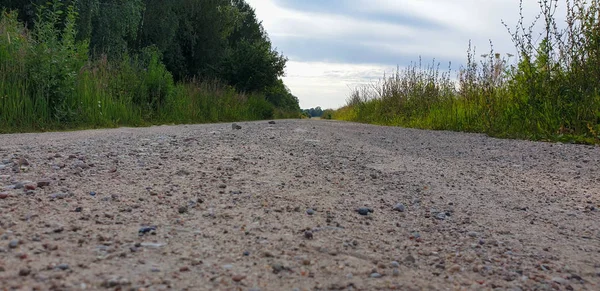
(194, 40)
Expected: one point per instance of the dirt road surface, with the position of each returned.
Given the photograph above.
(296, 205)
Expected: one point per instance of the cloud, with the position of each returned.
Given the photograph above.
(367, 36)
(328, 84)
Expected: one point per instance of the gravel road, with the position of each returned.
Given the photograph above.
(296, 205)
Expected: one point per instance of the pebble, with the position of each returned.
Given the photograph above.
(364, 211)
(147, 229)
(473, 234)
(238, 278)
(63, 267)
(246, 253)
(376, 275)
(59, 195)
(560, 280)
(396, 272)
(43, 183)
(24, 272)
(400, 207)
(310, 211)
(308, 234)
(277, 268)
(235, 126)
(440, 216)
(271, 122)
(92, 193)
(23, 162)
(228, 267)
(395, 264)
(13, 244)
(182, 209)
(3, 195)
(151, 245)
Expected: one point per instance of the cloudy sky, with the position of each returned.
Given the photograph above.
(333, 45)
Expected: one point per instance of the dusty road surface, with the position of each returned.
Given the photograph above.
(296, 205)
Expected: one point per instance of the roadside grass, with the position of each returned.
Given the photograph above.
(550, 92)
(48, 82)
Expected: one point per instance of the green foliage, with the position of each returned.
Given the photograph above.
(552, 93)
(313, 112)
(203, 39)
(48, 80)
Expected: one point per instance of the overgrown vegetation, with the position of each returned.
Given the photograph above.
(104, 63)
(551, 92)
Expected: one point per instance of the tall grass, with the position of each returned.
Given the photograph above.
(47, 82)
(551, 91)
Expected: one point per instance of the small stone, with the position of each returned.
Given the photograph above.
(24, 272)
(184, 269)
(396, 272)
(78, 209)
(30, 187)
(238, 278)
(59, 195)
(63, 267)
(454, 269)
(376, 275)
(395, 264)
(271, 122)
(13, 244)
(277, 268)
(235, 126)
(23, 162)
(19, 185)
(308, 234)
(310, 211)
(222, 186)
(246, 253)
(92, 193)
(182, 209)
(3, 195)
(147, 229)
(364, 211)
(399, 207)
(560, 280)
(228, 267)
(410, 259)
(440, 216)
(43, 183)
(473, 234)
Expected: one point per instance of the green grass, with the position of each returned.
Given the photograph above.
(550, 93)
(47, 82)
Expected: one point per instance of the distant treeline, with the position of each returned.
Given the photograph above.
(89, 63)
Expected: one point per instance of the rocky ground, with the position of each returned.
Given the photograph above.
(296, 205)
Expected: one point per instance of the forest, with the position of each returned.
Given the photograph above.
(103, 63)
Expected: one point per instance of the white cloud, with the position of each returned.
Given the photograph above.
(314, 82)
(328, 84)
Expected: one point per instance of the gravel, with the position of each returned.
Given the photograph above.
(112, 206)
